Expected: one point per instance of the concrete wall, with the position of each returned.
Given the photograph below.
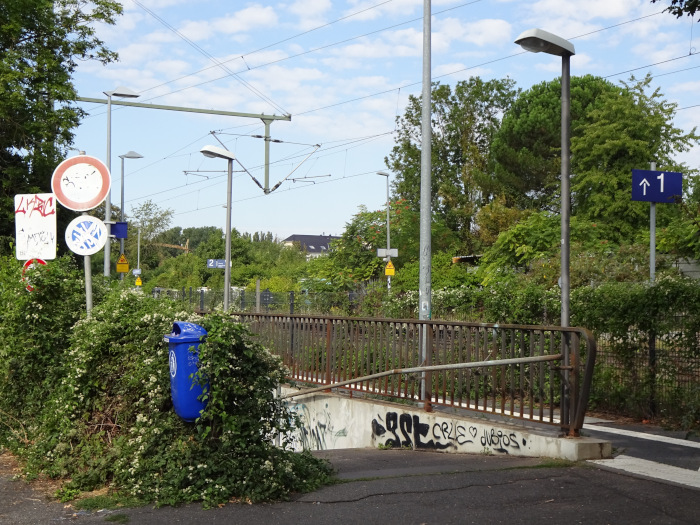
(334, 421)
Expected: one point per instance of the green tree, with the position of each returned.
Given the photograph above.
(353, 257)
(186, 270)
(153, 222)
(527, 147)
(464, 122)
(41, 43)
(494, 218)
(627, 130)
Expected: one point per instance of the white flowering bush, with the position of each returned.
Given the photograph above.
(88, 399)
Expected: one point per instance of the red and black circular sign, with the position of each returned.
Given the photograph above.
(81, 183)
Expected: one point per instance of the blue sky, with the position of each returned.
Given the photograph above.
(344, 70)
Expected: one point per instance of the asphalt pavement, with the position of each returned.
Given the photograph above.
(407, 487)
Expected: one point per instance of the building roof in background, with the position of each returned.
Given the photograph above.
(313, 244)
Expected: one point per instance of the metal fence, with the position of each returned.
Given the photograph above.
(651, 374)
(639, 373)
(549, 386)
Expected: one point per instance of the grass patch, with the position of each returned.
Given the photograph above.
(115, 500)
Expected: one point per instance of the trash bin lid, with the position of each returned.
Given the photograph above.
(185, 333)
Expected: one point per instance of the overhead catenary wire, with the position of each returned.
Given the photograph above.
(504, 58)
(217, 62)
(333, 44)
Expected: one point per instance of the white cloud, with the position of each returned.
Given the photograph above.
(486, 32)
(402, 8)
(687, 87)
(585, 10)
(311, 13)
(246, 20)
(456, 71)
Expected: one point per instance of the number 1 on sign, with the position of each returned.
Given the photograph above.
(661, 178)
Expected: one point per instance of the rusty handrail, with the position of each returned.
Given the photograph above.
(432, 368)
(360, 337)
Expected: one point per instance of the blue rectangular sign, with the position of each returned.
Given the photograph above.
(657, 186)
(216, 263)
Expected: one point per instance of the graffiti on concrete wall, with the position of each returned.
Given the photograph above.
(318, 432)
(406, 430)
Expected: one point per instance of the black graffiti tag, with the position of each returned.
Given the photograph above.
(499, 440)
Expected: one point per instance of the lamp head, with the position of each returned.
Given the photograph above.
(217, 152)
(539, 41)
(131, 155)
(383, 174)
(123, 92)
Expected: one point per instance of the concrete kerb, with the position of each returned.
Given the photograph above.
(333, 421)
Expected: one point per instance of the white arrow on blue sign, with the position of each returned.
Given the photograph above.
(657, 186)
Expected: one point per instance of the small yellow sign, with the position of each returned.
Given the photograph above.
(138, 281)
(122, 264)
(389, 269)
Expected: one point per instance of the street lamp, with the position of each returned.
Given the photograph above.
(221, 153)
(388, 235)
(121, 92)
(128, 155)
(539, 41)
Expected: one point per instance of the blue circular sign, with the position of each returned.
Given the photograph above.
(86, 235)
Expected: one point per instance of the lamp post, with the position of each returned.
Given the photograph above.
(537, 41)
(388, 234)
(221, 153)
(128, 155)
(121, 92)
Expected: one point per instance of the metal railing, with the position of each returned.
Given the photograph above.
(536, 373)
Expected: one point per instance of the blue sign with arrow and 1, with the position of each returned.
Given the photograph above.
(657, 186)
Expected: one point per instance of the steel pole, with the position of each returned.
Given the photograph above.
(388, 234)
(424, 284)
(565, 186)
(108, 199)
(267, 123)
(652, 235)
(121, 217)
(227, 269)
(88, 284)
(565, 223)
(138, 250)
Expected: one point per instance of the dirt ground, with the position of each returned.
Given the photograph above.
(28, 503)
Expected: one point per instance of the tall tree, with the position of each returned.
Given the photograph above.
(627, 130)
(153, 222)
(41, 42)
(464, 122)
(527, 147)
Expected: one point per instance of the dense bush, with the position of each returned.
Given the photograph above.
(88, 399)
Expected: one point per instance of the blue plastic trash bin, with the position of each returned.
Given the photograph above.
(183, 363)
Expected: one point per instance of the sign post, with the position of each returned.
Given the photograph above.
(656, 186)
(387, 254)
(81, 183)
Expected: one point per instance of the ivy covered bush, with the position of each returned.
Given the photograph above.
(88, 399)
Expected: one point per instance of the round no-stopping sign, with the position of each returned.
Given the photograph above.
(31, 263)
(81, 183)
(86, 235)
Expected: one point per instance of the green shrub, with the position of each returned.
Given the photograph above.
(89, 401)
